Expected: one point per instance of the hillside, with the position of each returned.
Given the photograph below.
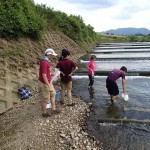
(29, 50)
(128, 31)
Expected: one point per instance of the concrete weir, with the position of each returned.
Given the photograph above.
(123, 121)
(105, 73)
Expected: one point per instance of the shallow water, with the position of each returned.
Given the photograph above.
(137, 89)
(121, 122)
(124, 125)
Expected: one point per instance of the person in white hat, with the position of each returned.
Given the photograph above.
(46, 87)
(50, 51)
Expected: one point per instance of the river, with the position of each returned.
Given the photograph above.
(124, 125)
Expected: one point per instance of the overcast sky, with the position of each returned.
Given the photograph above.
(103, 15)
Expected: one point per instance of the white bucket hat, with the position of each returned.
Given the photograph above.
(50, 51)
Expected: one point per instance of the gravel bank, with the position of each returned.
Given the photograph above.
(23, 128)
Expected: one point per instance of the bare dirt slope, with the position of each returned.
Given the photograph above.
(29, 50)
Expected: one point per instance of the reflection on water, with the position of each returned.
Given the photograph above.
(91, 93)
(112, 111)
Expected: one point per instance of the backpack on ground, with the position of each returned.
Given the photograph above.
(24, 93)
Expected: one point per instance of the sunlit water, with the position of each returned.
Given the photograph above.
(124, 125)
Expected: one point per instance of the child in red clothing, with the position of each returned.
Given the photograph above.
(91, 70)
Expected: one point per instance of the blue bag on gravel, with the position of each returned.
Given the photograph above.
(24, 93)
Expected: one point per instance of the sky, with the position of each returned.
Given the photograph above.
(104, 15)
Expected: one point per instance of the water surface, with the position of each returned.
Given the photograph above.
(124, 125)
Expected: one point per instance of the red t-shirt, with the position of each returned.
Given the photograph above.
(44, 69)
(91, 67)
(66, 66)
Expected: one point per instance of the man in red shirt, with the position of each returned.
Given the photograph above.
(46, 87)
(66, 67)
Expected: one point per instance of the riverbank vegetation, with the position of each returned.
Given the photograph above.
(27, 19)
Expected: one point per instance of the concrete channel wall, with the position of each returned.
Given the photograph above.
(11, 81)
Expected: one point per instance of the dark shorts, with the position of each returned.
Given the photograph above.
(112, 87)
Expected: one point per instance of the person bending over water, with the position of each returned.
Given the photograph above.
(111, 84)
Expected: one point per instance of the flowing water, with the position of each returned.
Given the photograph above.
(124, 125)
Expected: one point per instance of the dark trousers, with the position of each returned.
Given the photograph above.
(112, 87)
(91, 79)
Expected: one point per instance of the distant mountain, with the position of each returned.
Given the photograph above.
(128, 31)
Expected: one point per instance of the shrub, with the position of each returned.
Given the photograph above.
(20, 19)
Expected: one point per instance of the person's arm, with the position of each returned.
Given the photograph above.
(124, 86)
(61, 72)
(58, 67)
(51, 88)
(75, 69)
